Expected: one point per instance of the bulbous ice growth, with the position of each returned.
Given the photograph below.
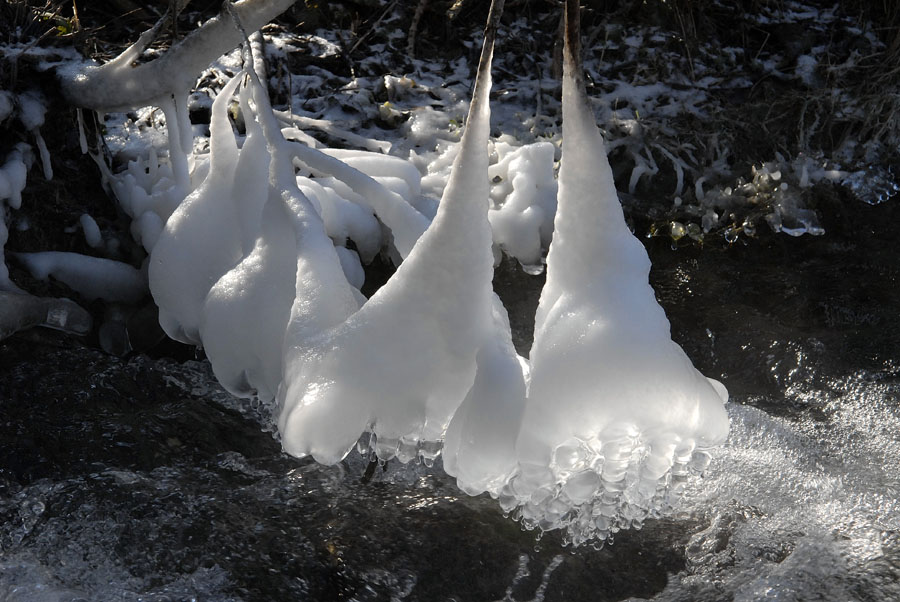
(286, 252)
(523, 223)
(616, 413)
(202, 238)
(245, 313)
(247, 310)
(404, 362)
(479, 446)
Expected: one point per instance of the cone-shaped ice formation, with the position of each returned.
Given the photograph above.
(246, 311)
(202, 238)
(403, 363)
(615, 411)
(287, 252)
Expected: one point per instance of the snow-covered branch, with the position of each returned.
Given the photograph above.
(119, 85)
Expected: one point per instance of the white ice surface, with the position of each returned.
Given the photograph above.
(246, 312)
(202, 239)
(523, 220)
(31, 109)
(613, 403)
(479, 446)
(403, 363)
(91, 277)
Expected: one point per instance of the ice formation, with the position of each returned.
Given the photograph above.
(292, 254)
(256, 265)
(616, 413)
(401, 365)
(205, 228)
(31, 114)
(19, 311)
(92, 235)
(91, 277)
(245, 312)
(30, 110)
(479, 445)
(13, 174)
(121, 85)
(523, 222)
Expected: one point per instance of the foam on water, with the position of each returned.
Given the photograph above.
(802, 506)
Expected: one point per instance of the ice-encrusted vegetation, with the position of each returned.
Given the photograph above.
(277, 226)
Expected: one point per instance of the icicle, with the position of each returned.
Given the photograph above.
(31, 114)
(82, 139)
(180, 142)
(46, 166)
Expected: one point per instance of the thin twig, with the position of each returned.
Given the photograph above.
(414, 28)
(374, 25)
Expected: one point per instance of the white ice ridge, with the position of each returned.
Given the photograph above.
(91, 277)
(402, 364)
(616, 413)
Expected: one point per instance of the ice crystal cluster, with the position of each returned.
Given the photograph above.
(257, 250)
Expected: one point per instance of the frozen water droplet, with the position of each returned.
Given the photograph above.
(748, 227)
(731, 234)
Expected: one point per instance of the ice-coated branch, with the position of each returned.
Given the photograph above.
(118, 85)
(406, 224)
